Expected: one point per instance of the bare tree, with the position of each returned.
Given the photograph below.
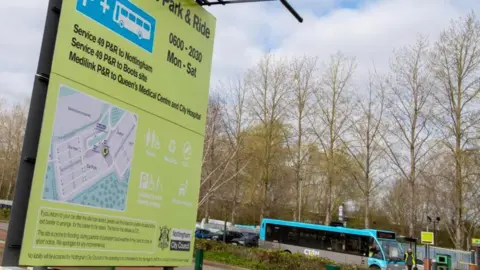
(365, 146)
(236, 122)
(409, 109)
(331, 117)
(13, 119)
(456, 62)
(219, 177)
(303, 83)
(268, 82)
(394, 202)
(210, 162)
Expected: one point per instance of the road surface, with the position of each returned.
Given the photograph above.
(4, 226)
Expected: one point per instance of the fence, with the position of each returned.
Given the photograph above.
(460, 258)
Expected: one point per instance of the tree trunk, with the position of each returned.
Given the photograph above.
(328, 213)
(367, 210)
(264, 200)
(300, 216)
(331, 166)
(234, 201)
(469, 236)
(299, 201)
(412, 180)
(2, 180)
(458, 172)
(411, 222)
(207, 209)
(9, 191)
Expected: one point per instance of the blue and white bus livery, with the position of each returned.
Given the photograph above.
(343, 245)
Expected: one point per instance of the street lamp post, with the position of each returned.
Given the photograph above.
(435, 222)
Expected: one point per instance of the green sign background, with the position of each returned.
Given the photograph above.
(109, 187)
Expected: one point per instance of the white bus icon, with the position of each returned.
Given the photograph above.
(131, 21)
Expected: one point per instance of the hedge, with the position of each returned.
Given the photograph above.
(4, 214)
(258, 258)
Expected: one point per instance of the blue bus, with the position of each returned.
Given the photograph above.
(372, 248)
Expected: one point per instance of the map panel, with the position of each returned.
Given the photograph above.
(91, 152)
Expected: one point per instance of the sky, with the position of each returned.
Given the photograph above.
(368, 30)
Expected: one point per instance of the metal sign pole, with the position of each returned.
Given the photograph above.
(23, 185)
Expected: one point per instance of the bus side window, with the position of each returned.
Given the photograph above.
(292, 236)
(353, 244)
(334, 242)
(268, 232)
(274, 233)
(322, 240)
(308, 238)
(303, 236)
(364, 245)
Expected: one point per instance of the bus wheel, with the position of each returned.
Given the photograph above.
(139, 35)
(374, 267)
(121, 24)
(287, 251)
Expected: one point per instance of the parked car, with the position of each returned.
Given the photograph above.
(247, 240)
(203, 234)
(228, 237)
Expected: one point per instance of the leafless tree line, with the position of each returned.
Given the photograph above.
(296, 138)
(13, 119)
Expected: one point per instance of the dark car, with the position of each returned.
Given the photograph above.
(247, 240)
(203, 234)
(228, 237)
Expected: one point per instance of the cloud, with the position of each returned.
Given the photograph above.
(22, 29)
(11, 82)
(366, 29)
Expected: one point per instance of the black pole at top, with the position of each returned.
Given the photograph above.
(292, 10)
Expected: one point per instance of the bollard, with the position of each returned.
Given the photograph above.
(199, 259)
(434, 264)
(427, 264)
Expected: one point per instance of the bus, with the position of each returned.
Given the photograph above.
(131, 21)
(372, 248)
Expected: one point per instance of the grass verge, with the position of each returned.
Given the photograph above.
(262, 259)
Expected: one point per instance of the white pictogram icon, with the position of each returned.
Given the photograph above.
(187, 150)
(182, 191)
(172, 146)
(85, 2)
(147, 182)
(105, 6)
(132, 21)
(152, 140)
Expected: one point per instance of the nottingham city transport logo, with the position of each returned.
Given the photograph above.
(123, 18)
